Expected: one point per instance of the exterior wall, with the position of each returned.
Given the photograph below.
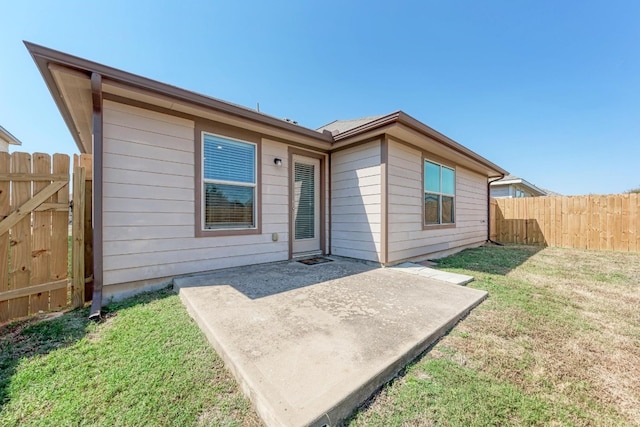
(149, 202)
(498, 191)
(356, 195)
(4, 146)
(509, 190)
(407, 238)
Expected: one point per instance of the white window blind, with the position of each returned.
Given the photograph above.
(229, 181)
(304, 176)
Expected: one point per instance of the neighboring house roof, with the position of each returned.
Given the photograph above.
(74, 82)
(340, 126)
(8, 138)
(512, 179)
(549, 192)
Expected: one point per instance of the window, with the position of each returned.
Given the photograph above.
(439, 194)
(228, 183)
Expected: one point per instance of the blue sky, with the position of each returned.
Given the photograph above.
(549, 90)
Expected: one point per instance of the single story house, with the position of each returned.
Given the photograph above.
(512, 186)
(5, 139)
(185, 183)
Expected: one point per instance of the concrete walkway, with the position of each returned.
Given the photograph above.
(432, 273)
(308, 344)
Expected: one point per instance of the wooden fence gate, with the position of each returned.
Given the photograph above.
(35, 235)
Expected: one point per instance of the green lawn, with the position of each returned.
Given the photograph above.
(557, 342)
(146, 364)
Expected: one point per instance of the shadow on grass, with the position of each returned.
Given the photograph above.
(491, 259)
(40, 335)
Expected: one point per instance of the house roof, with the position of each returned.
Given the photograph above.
(69, 79)
(339, 126)
(549, 192)
(512, 179)
(63, 74)
(401, 125)
(8, 138)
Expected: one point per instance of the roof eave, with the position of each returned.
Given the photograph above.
(405, 119)
(6, 136)
(532, 187)
(509, 182)
(44, 56)
(522, 182)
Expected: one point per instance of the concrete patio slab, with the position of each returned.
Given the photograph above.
(308, 344)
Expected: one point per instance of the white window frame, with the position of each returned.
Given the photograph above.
(440, 194)
(205, 181)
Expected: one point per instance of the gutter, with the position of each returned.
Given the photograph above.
(489, 181)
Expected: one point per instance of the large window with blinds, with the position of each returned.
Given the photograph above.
(439, 194)
(229, 183)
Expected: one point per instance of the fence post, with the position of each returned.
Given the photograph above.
(77, 233)
(5, 210)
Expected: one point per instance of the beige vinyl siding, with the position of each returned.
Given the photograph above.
(501, 191)
(407, 238)
(356, 202)
(148, 211)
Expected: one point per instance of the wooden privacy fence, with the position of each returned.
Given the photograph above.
(609, 222)
(34, 234)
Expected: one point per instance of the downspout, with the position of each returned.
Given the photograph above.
(489, 181)
(330, 195)
(96, 223)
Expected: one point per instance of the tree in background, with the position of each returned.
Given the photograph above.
(634, 190)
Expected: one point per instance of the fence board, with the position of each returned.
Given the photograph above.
(60, 235)
(20, 274)
(492, 219)
(5, 210)
(530, 224)
(624, 223)
(564, 218)
(594, 222)
(522, 229)
(603, 237)
(551, 240)
(41, 252)
(583, 230)
(593, 242)
(613, 221)
(634, 223)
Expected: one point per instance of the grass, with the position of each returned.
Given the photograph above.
(556, 343)
(146, 364)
